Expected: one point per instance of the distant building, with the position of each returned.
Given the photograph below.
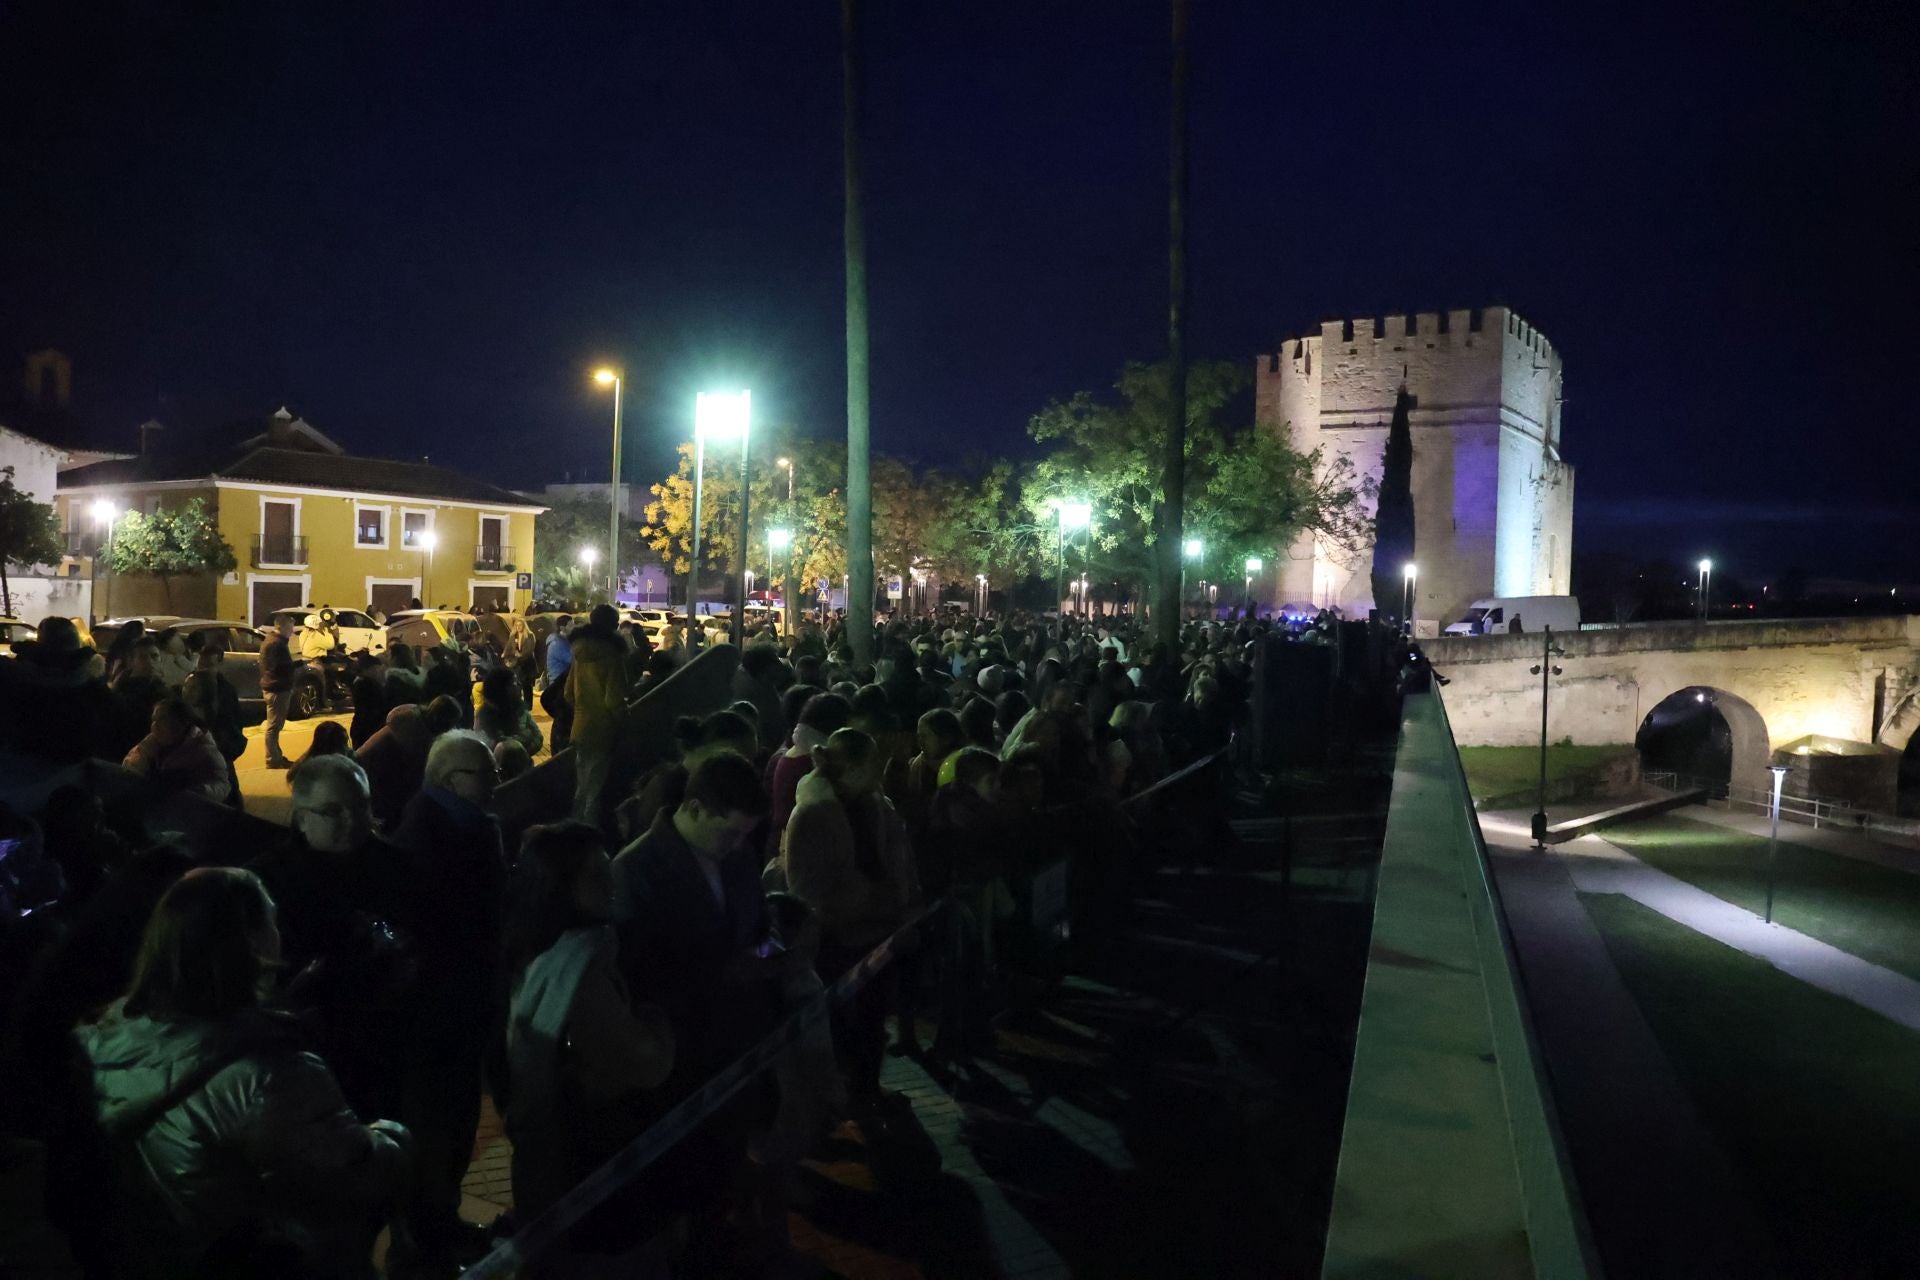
(633, 497)
(34, 591)
(311, 524)
(40, 405)
(1493, 497)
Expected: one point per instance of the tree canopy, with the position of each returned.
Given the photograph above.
(29, 533)
(169, 544)
(1248, 493)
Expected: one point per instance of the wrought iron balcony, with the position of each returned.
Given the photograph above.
(493, 559)
(279, 551)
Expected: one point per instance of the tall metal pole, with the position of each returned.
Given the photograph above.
(854, 236)
(738, 589)
(694, 631)
(1173, 479)
(793, 535)
(1546, 674)
(1779, 772)
(1060, 571)
(613, 501)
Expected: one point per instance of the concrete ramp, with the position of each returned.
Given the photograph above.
(702, 686)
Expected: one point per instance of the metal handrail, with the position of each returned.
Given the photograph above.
(1815, 809)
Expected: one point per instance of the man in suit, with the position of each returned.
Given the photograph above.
(689, 910)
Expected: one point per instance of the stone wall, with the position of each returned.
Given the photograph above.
(1818, 676)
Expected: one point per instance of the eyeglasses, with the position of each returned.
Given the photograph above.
(491, 771)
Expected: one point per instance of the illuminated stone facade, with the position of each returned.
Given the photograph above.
(1493, 498)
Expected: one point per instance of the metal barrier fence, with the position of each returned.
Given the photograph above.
(640, 1154)
(1812, 810)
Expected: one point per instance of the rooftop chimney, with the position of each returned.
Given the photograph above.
(280, 429)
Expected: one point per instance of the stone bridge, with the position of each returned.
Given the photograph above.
(1774, 681)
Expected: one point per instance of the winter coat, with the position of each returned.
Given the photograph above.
(57, 709)
(580, 1062)
(192, 764)
(818, 853)
(217, 703)
(395, 759)
(266, 1140)
(597, 688)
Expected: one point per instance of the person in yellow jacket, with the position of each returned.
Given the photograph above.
(597, 692)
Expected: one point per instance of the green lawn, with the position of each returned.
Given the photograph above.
(1815, 1099)
(1494, 772)
(1870, 911)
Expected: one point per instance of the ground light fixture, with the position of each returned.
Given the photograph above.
(1779, 772)
(1410, 573)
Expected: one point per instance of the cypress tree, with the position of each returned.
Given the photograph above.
(1393, 521)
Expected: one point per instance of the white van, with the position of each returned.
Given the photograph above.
(1517, 613)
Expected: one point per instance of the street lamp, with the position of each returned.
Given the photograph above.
(782, 540)
(1412, 572)
(589, 556)
(103, 514)
(1254, 565)
(721, 416)
(1779, 772)
(1546, 670)
(1068, 514)
(1192, 549)
(607, 377)
(980, 592)
(428, 541)
(1706, 585)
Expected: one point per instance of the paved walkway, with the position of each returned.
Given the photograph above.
(1597, 866)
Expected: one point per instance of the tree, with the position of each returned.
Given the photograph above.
(29, 533)
(1246, 491)
(559, 534)
(169, 544)
(1393, 520)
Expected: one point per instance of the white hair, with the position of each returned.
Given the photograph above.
(444, 756)
(319, 770)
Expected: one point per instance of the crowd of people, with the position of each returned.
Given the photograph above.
(254, 1060)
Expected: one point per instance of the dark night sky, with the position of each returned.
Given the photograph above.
(420, 225)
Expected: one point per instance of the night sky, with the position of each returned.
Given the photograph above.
(421, 225)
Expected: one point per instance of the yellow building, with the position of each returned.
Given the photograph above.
(310, 524)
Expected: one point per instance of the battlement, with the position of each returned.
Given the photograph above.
(1422, 330)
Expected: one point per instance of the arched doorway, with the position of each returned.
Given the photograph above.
(1705, 733)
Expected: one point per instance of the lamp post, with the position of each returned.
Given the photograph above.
(428, 541)
(1067, 514)
(1546, 671)
(104, 524)
(1254, 565)
(720, 416)
(980, 592)
(1706, 585)
(607, 377)
(782, 540)
(1411, 572)
(1779, 772)
(588, 556)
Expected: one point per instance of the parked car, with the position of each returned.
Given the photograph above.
(12, 629)
(239, 646)
(1500, 614)
(104, 632)
(357, 630)
(425, 628)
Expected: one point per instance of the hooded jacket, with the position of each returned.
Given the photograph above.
(266, 1140)
(819, 856)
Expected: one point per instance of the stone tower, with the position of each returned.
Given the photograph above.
(1493, 499)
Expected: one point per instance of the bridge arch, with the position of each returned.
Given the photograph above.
(1741, 739)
